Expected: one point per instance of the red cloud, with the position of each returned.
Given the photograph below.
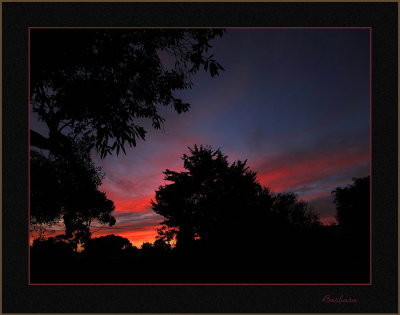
(136, 204)
(285, 173)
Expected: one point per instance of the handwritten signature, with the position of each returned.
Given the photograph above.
(338, 300)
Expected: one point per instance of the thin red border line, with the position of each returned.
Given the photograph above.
(266, 27)
(370, 153)
(202, 27)
(29, 155)
(142, 284)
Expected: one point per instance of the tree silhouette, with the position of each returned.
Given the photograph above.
(165, 236)
(221, 205)
(103, 83)
(108, 246)
(353, 205)
(287, 210)
(353, 216)
(53, 246)
(65, 190)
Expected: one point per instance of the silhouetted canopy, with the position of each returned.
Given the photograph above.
(109, 245)
(53, 246)
(353, 205)
(102, 83)
(214, 203)
(65, 190)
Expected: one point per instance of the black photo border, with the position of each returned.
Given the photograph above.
(19, 297)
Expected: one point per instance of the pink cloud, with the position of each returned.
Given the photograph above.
(287, 172)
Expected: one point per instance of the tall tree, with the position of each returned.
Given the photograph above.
(215, 203)
(102, 83)
(64, 190)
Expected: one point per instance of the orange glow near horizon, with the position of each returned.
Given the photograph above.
(137, 238)
(277, 174)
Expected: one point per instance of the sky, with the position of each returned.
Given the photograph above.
(294, 102)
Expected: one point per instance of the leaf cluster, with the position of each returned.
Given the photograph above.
(353, 203)
(212, 200)
(65, 190)
(104, 83)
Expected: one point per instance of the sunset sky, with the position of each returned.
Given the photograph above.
(294, 102)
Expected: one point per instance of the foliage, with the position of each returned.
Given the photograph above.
(288, 210)
(166, 235)
(103, 83)
(212, 201)
(108, 246)
(65, 190)
(156, 249)
(53, 246)
(353, 204)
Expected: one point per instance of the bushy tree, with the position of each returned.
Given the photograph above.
(108, 246)
(53, 246)
(215, 203)
(102, 83)
(287, 210)
(353, 205)
(65, 190)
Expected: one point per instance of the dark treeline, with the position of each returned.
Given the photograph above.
(222, 226)
(92, 89)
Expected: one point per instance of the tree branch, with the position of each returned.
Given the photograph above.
(39, 141)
